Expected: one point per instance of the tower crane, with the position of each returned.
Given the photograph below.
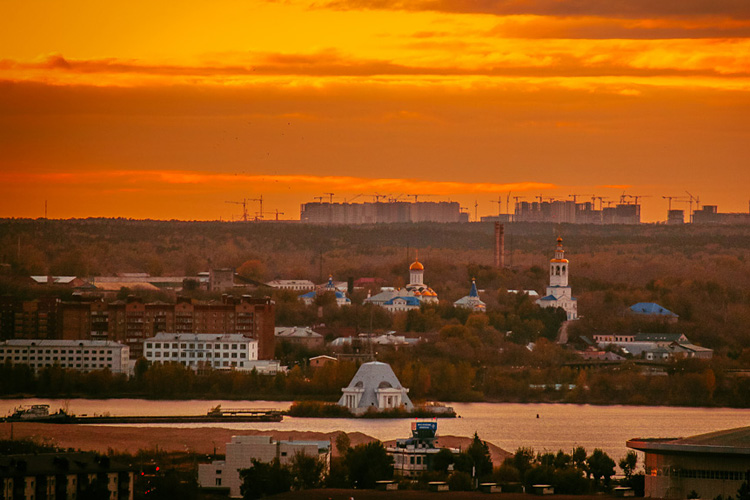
(261, 205)
(697, 204)
(575, 197)
(276, 213)
(499, 204)
(351, 200)
(331, 196)
(670, 198)
(416, 196)
(244, 207)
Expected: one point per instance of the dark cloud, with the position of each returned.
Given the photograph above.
(331, 64)
(631, 9)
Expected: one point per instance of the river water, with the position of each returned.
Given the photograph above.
(543, 427)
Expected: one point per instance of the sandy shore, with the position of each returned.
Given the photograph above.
(102, 438)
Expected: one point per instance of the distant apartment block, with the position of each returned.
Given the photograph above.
(710, 214)
(133, 320)
(567, 211)
(382, 212)
(230, 351)
(79, 355)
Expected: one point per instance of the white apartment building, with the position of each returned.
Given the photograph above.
(221, 351)
(80, 355)
(225, 474)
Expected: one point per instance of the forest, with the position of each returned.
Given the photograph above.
(698, 272)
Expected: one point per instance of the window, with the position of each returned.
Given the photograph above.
(218, 480)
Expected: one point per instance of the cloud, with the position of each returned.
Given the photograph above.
(557, 58)
(160, 179)
(628, 9)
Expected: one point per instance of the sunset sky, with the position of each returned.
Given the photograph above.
(168, 109)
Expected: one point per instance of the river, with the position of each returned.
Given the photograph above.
(540, 426)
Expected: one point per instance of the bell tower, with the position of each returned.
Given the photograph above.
(558, 267)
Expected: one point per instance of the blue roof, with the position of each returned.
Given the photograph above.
(410, 301)
(308, 295)
(473, 292)
(651, 308)
(549, 297)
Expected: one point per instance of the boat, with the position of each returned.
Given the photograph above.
(37, 413)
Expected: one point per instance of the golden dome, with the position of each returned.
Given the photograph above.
(416, 266)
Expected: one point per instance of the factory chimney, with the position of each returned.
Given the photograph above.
(499, 245)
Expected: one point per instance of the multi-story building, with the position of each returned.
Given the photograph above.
(79, 355)
(64, 475)
(225, 474)
(197, 350)
(133, 320)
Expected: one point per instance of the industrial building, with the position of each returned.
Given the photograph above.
(710, 465)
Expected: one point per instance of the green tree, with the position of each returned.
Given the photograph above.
(600, 466)
(442, 460)
(307, 472)
(628, 464)
(264, 478)
(368, 463)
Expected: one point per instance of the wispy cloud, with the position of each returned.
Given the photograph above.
(125, 179)
(738, 9)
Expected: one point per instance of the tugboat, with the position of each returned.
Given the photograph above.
(37, 413)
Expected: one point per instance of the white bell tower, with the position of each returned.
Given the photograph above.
(558, 267)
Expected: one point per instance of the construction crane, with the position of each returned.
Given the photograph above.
(351, 200)
(575, 197)
(319, 198)
(670, 198)
(395, 198)
(376, 197)
(260, 210)
(697, 204)
(244, 207)
(276, 213)
(499, 204)
(331, 196)
(416, 196)
(476, 205)
(636, 197)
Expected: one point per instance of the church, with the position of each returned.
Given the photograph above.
(559, 293)
(410, 297)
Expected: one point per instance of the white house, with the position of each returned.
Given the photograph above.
(376, 387)
(294, 285)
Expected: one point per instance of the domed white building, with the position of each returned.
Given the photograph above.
(375, 387)
(559, 293)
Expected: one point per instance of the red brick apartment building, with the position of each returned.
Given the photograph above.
(131, 321)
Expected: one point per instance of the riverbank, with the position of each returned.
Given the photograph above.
(205, 440)
(340, 494)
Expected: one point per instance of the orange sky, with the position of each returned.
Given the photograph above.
(168, 109)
